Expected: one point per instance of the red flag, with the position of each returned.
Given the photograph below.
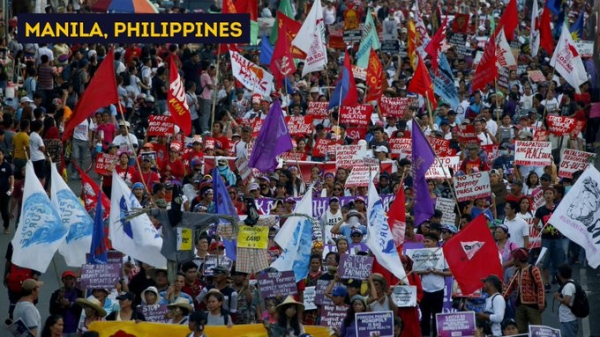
(421, 83)
(291, 28)
(89, 193)
(472, 255)
(546, 40)
(397, 217)
(435, 45)
(509, 20)
(486, 69)
(247, 6)
(282, 62)
(101, 92)
(374, 77)
(177, 103)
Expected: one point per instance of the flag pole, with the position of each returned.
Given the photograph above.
(214, 103)
(496, 98)
(137, 162)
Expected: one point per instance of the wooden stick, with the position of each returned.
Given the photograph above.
(132, 148)
(215, 90)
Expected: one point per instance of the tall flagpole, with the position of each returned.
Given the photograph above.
(214, 103)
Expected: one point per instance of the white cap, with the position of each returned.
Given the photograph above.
(381, 148)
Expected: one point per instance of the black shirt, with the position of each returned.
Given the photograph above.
(6, 172)
(157, 85)
(544, 213)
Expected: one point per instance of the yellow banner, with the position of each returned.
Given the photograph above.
(131, 329)
(253, 237)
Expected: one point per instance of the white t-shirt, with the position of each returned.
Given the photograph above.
(82, 131)
(431, 282)
(495, 305)
(329, 15)
(123, 144)
(564, 313)
(35, 142)
(30, 315)
(328, 220)
(517, 228)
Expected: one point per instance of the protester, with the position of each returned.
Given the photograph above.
(25, 309)
(53, 327)
(93, 310)
(179, 311)
(493, 313)
(569, 323)
(62, 303)
(126, 311)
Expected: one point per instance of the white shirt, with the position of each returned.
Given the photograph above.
(241, 148)
(564, 313)
(328, 220)
(495, 305)
(35, 142)
(492, 126)
(45, 51)
(329, 15)
(82, 131)
(517, 228)
(551, 104)
(124, 144)
(432, 283)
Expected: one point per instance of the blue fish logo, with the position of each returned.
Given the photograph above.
(81, 223)
(41, 223)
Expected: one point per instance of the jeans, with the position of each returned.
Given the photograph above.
(569, 329)
(431, 304)
(161, 106)
(527, 315)
(197, 126)
(205, 113)
(555, 256)
(4, 202)
(81, 153)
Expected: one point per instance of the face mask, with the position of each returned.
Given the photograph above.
(353, 221)
(504, 152)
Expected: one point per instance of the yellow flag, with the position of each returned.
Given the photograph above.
(413, 42)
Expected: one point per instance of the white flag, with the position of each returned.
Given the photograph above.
(75, 218)
(379, 237)
(137, 237)
(504, 55)
(311, 40)
(534, 37)
(567, 61)
(578, 215)
(250, 75)
(40, 231)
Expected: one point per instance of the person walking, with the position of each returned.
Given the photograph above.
(25, 309)
(566, 297)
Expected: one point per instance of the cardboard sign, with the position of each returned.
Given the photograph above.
(537, 199)
(333, 315)
(253, 237)
(293, 156)
(321, 286)
(355, 267)
(504, 80)
(536, 76)
(395, 107)
(352, 36)
(359, 73)
(562, 126)
(405, 296)
(472, 186)
(278, 283)
(105, 163)
(309, 298)
(585, 48)
(456, 324)
(466, 134)
(573, 161)
(241, 163)
(318, 110)
(349, 156)
(447, 206)
(440, 168)
(390, 46)
(369, 323)
(359, 115)
(94, 276)
(184, 238)
(298, 126)
(441, 147)
(19, 329)
(160, 126)
(154, 313)
(426, 258)
(400, 147)
(323, 147)
(212, 261)
(543, 331)
(361, 176)
(492, 151)
(531, 153)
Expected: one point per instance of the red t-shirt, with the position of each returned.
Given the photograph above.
(176, 169)
(149, 178)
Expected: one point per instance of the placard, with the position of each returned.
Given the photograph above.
(19, 329)
(543, 331)
(298, 126)
(105, 163)
(441, 147)
(322, 147)
(369, 324)
(318, 109)
(309, 298)
(361, 176)
(492, 151)
(100, 276)
(154, 313)
(529, 153)
(537, 199)
(333, 315)
(355, 267)
(253, 237)
(277, 283)
(441, 168)
(293, 156)
(573, 161)
(212, 261)
(400, 147)
(395, 106)
(359, 115)
(563, 126)
(503, 82)
(536, 76)
(585, 48)
(359, 73)
(459, 41)
(426, 258)
(320, 289)
(184, 239)
(160, 126)
(405, 296)
(241, 163)
(472, 186)
(347, 156)
(352, 35)
(390, 46)
(466, 134)
(456, 324)
(447, 206)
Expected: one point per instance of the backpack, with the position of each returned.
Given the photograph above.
(581, 305)
(16, 276)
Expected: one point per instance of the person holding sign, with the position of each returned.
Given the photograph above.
(93, 312)
(410, 315)
(179, 311)
(357, 304)
(288, 323)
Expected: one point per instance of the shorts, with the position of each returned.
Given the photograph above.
(40, 168)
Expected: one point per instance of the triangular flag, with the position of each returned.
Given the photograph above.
(311, 40)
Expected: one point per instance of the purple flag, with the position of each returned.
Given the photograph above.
(273, 140)
(422, 159)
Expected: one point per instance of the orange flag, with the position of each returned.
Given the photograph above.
(421, 82)
(374, 77)
(413, 42)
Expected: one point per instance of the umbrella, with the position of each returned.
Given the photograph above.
(132, 6)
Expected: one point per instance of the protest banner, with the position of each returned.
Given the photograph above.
(395, 107)
(359, 73)
(459, 40)
(336, 36)
(390, 46)
(251, 75)
(19, 329)
(278, 283)
(355, 267)
(585, 48)
(447, 206)
(529, 153)
(503, 82)
(441, 147)
(333, 315)
(562, 126)
(543, 331)
(293, 156)
(309, 298)
(536, 76)
(456, 324)
(537, 198)
(472, 186)
(541, 135)
(347, 156)
(361, 176)
(359, 115)
(466, 134)
(426, 258)
(105, 163)
(160, 126)
(298, 126)
(212, 261)
(573, 161)
(440, 168)
(492, 151)
(154, 313)
(320, 298)
(400, 147)
(318, 110)
(369, 324)
(405, 296)
(253, 237)
(323, 147)
(100, 275)
(241, 163)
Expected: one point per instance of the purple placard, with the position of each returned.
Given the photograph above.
(332, 316)
(370, 324)
(154, 313)
(543, 331)
(456, 324)
(278, 283)
(447, 307)
(320, 297)
(104, 276)
(355, 267)
(412, 245)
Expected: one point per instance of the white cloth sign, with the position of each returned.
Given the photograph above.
(472, 186)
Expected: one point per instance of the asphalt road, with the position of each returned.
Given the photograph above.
(588, 278)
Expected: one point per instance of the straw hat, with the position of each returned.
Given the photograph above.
(93, 303)
(378, 277)
(181, 303)
(289, 301)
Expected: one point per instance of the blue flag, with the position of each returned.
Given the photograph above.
(98, 250)
(223, 203)
(577, 27)
(266, 51)
(555, 6)
(273, 140)
(230, 249)
(443, 83)
(345, 90)
(422, 159)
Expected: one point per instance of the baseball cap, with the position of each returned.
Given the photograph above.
(334, 199)
(220, 270)
(503, 226)
(339, 291)
(126, 296)
(381, 148)
(30, 284)
(451, 228)
(356, 231)
(68, 273)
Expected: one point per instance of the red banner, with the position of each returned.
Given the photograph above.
(400, 146)
(322, 147)
(561, 126)
(318, 109)
(177, 103)
(441, 147)
(299, 125)
(160, 126)
(492, 151)
(466, 134)
(359, 115)
(256, 127)
(105, 163)
(293, 156)
(396, 107)
(541, 135)
(356, 132)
